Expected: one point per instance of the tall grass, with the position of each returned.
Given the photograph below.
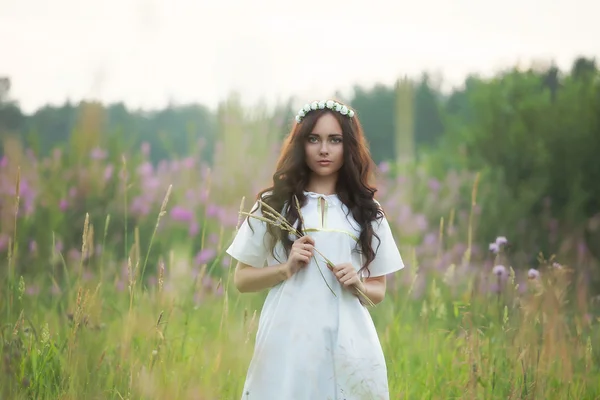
(157, 341)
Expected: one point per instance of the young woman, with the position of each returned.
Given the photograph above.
(313, 344)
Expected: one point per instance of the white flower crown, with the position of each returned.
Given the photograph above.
(321, 105)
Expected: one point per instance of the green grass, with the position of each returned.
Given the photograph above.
(179, 339)
(95, 342)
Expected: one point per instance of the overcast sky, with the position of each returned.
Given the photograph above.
(149, 52)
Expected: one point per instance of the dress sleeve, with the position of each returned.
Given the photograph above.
(250, 245)
(387, 256)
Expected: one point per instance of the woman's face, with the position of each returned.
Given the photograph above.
(324, 149)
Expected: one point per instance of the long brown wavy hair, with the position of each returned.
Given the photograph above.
(354, 186)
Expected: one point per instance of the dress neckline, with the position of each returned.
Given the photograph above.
(330, 198)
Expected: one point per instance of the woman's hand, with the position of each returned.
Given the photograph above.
(347, 276)
(300, 255)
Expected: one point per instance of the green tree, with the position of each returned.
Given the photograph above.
(428, 113)
(375, 107)
(536, 134)
(11, 118)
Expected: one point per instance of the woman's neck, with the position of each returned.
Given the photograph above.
(322, 184)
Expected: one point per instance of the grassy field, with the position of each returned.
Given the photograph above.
(91, 310)
(95, 338)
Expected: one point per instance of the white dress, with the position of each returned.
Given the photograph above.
(311, 345)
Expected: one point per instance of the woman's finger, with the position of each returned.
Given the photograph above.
(344, 276)
(350, 275)
(308, 247)
(306, 253)
(307, 239)
(352, 281)
(303, 246)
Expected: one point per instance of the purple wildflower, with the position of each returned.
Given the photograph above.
(181, 214)
(421, 222)
(205, 255)
(430, 239)
(63, 205)
(212, 210)
(74, 254)
(226, 261)
(501, 240)
(32, 290)
(494, 248)
(434, 185)
(145, 169)
(495, 287)
(140, 206)
(29, 206)
(188, 163)
(98, 154)
(153, 183)
(499, 271)
(533, 274)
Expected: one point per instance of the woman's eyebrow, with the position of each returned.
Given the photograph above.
(329, 135)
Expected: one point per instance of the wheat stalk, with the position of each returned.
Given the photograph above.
(274, 218)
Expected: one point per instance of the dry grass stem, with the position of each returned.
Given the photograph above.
(161, 213)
